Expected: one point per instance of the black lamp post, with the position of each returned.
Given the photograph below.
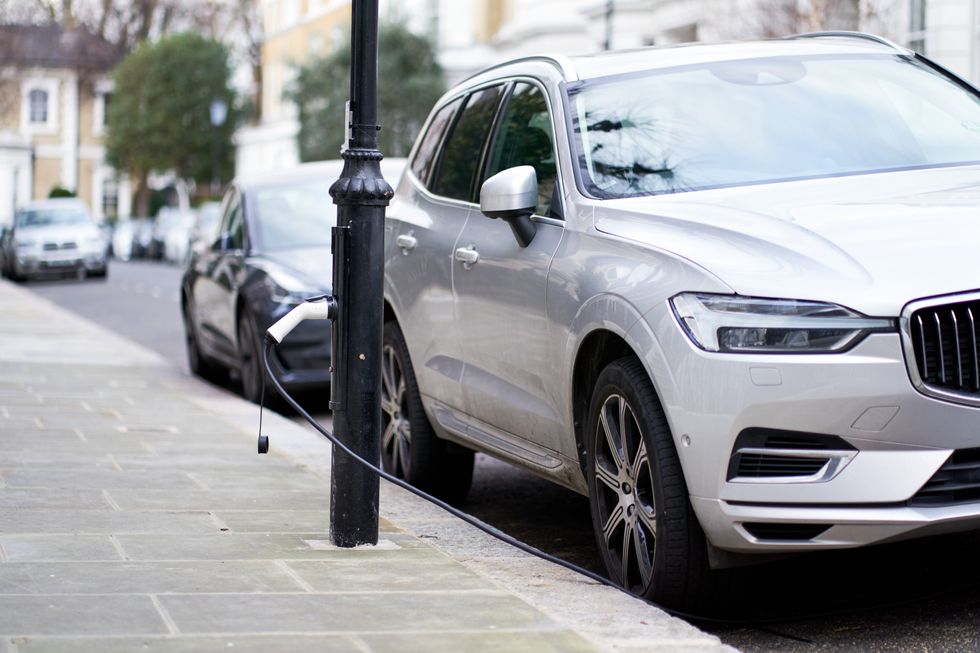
(361, 195)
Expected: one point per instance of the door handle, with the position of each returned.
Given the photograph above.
(406, 242)
(468, 256)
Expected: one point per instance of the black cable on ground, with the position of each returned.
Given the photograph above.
(270, 343)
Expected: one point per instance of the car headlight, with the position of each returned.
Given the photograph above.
(285, 288)
(734, 324)
(22, 245)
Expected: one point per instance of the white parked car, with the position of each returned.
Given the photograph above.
(54, 237)
(727, 291)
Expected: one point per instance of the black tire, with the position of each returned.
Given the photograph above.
(251, 363)
(101, 273)
(666, 559)
(198, 363)
(410, 449)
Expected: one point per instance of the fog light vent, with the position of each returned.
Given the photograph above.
(785, 532)
(769, 455)
(753, 463)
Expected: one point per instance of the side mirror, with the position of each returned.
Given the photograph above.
(511, 195)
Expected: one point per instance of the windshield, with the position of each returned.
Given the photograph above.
(732, 123)
(47, 217)
(295, 215)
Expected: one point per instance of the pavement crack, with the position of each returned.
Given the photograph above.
(117, 545)
(289, 571)
(198, 482)
(167, 619)
(112, 502)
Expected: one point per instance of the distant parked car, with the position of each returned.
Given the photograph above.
(123, 236)
(205, 225)
(177, 239)
(143, 237)
(54, 237)
(271, 251)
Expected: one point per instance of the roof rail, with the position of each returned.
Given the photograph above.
(853, 35)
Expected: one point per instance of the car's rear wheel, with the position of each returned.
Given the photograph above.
(198, 363)
(409, 448)
(645, 528)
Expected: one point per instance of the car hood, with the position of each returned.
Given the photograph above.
(311, 264)
(58, 233)
(869, 242)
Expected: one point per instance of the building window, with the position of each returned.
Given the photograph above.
(38, 106)
(917, 26)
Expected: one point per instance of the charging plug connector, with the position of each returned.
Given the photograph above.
(322, 309)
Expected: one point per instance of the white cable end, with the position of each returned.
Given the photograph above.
(303, 312)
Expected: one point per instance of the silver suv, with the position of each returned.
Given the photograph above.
(730, 292)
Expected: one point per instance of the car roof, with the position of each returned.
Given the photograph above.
(58, 202)
(328, 171)
(618, 62)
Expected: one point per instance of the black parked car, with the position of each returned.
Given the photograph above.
(272, 250)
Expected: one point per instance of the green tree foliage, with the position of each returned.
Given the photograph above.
(159, 118)
(410, 80)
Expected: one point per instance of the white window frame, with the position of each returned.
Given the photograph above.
(49, 86)
(103, 87)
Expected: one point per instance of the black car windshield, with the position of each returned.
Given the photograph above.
(46, 217)
(733, 123)
(294, 215)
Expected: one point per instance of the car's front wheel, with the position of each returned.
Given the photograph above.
(251, 364)
(645, 528)
(409, 448)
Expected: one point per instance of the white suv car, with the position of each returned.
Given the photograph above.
(730, 292)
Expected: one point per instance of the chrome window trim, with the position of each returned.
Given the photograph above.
(908, 348)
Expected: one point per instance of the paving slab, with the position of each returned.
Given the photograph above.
(386, 575)
(107, 521)
(334, 643)
(145, 577)
(22, 615)
(479, 642)
(22, 548)
(51, 498)
(351, 613)
(96, 479)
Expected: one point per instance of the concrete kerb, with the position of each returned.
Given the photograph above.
(609, 619)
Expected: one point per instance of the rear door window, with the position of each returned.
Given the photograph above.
(464, 147)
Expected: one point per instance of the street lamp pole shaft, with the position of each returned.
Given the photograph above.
(361, 195)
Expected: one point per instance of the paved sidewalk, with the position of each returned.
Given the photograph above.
(136, 515)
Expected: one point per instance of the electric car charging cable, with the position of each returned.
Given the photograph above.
(323, 308)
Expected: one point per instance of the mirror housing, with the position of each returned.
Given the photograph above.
(512, 195)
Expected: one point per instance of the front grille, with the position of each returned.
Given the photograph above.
(790, 532)
(957, 481)
(944, 339)
(51, 247)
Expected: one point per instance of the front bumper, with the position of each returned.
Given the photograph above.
(900, 439)
(59, 262)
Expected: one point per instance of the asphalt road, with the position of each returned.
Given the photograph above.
(914, 596)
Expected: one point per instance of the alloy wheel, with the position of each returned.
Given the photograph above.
(396, 439)
(625, 494)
